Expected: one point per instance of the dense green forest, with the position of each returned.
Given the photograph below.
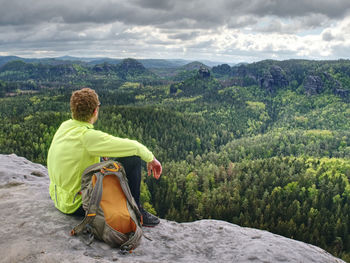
(262, 145)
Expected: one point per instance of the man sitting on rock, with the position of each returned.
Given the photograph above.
(77, 145)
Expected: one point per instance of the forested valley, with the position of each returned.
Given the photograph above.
(263, 145)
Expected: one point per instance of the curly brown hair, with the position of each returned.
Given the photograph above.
(83, 103)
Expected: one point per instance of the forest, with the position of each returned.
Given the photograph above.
(263, 145)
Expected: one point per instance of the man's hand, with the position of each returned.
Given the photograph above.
(154, 167)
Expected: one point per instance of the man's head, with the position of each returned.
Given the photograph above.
(84, 105)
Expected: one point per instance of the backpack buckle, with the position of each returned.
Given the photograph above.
(126, 249)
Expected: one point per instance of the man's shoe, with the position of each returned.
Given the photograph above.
(148, 219)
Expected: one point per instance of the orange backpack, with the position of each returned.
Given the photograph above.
(111, 212)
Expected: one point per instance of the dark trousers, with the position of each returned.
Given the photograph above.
(132, 167)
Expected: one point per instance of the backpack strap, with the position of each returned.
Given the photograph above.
(95, 200)
(125, 186)
(133, 239)
(133, 210)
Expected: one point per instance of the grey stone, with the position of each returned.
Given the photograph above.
(313, 85)
(274, 79)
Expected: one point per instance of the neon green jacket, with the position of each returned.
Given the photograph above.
(75, 146)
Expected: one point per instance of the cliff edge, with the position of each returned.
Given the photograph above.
(34, 231)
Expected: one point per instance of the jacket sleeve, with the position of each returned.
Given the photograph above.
(99, 143)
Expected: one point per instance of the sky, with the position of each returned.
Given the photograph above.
(230, 31)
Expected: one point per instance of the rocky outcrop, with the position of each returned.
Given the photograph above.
(203, 72)
(266, 82)
(313, 85)
(279, 76)
(336, 86)
(104, 67)
(34, 231)
(341, 92)
(274, 79)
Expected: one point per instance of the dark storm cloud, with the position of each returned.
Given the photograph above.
(18, 12)
(153, 12)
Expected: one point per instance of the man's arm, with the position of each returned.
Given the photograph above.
(99, 143)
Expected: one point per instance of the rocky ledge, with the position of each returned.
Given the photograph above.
(34, 231)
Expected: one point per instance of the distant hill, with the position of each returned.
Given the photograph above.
(71, 71)
(187, 71)
(201, 83)
(48, 61)
(195, 65)
(306, 76)
(132, 69)
(310, 77)
(148, 63)
(104, 60)
(215, 63)
(4, 60)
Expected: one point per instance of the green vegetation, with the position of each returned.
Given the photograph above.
(264, 145)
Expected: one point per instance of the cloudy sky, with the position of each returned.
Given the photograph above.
(219, 30)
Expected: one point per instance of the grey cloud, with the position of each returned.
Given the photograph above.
(241, 21)
(158, 42)
(197, 13)
(184, 36)
(156, 4)
(128, 36)
(272, 26)
(303, 23)
(18, 12)
(202, 45)
(296, 8)
(327, 36)
(72, 25)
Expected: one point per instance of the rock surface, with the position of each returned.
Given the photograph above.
(203, 72)
(313, 85)
(274, 79)
(34, 231)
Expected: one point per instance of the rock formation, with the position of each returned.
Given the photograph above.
(274, 79)
(203, 72)
(34, 231)
(337, 87)
(105, 67)
(313, 85)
